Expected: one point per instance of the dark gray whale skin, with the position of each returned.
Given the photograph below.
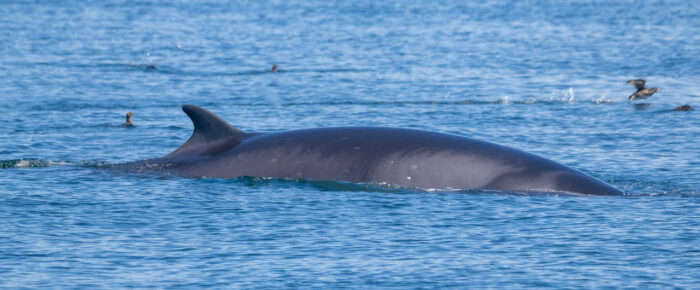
(391, 156)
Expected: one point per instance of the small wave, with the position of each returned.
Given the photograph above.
(149, 66)
(27, 163)
(329, 70)
(77, 104)
(96, 164)
(671, 193)
(145, 66)
(603, 99)
(119, 66)
(501, 101)
(40, 163)
(173, 71)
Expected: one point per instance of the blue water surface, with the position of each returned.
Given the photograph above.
(547, 77)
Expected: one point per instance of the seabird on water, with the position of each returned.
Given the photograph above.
(683, 108)
(128, 122)
(642, 91)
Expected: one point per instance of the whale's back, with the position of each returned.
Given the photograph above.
(393, 156)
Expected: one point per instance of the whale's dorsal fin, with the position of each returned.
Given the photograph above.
(211, 133)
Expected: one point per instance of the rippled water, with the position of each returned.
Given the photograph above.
(542, 76)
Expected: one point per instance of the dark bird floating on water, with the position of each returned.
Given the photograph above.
(274, 68)
(642, 91)
(128, 122)
(683, 108)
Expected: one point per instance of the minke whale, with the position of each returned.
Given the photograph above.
(385, 156)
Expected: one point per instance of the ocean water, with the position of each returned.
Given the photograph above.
(547, 77)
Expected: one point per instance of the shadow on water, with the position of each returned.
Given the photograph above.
(641, 106)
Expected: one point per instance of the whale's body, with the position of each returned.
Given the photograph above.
(391, 156)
